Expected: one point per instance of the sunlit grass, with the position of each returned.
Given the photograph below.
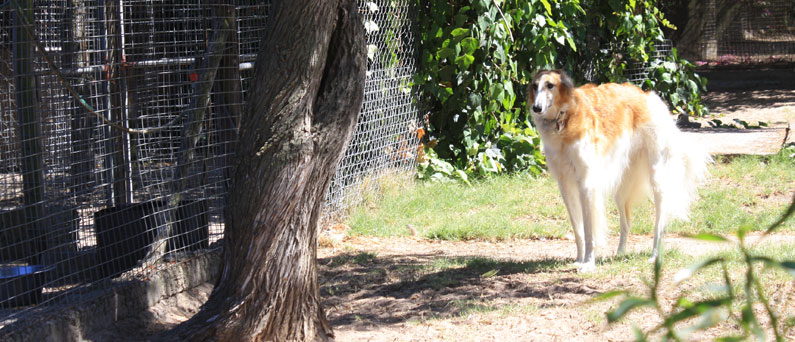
(741, 191)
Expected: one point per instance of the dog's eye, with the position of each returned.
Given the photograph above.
(550, 86)
(535, 86)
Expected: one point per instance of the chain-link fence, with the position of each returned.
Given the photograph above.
(117, 123)
(386, 135)
(744, 32)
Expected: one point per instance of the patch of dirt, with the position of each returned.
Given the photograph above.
(149, 324)
(776, 107)
(535, 295)
(413, 289)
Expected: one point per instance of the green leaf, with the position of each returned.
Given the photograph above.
(627, 305)
(571, 43)
(499, 53)
(510, 96)
(783, 218)
(686, 273)
(732, 339)
(547, 6)
(497, 92)
(609, 294)
(698, 308)
(788, 266)
(675, 98)
(640, 336)
(744, 229)
(490, 274)
(708, 319)
(463, 62)
(750, 322)
(462, 176)
(469, 45)
(474, 100)
(445, 53)
(459, 32)
(707, 237)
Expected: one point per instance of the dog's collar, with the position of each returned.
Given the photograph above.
(558, 121)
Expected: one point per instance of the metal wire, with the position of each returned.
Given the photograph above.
(103, 190)
(638, 72)
(755, 32)
(386, 138)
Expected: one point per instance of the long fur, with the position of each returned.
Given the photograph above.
(613, 139)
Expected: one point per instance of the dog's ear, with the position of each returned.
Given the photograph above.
(565, 80)
(531, 89)
(566, 84)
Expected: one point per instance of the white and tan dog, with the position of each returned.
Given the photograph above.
(613, 139)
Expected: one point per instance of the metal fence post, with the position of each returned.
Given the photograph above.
(29, 131)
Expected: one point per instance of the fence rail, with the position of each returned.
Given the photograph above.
(82, 202)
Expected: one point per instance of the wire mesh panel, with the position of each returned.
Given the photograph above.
(386, 134)
(116, 141)
(747, 32)
(84, 195)
(638, 72)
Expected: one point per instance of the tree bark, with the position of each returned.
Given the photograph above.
(302, 109)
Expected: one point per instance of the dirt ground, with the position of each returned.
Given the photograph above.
(751, 95)
(376, 290)
(525, 301)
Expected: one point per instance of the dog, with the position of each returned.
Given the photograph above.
(613, 139)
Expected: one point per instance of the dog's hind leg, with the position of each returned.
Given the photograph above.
(663, 186)
(632, 189)
(662, 218)
(624, 212)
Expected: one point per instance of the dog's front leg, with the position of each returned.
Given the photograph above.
(571, 198)
(592, 201)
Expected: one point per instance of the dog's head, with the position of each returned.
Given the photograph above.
(549, 93)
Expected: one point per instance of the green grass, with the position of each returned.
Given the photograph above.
(742, 191)
(497, 208)
(776, 251)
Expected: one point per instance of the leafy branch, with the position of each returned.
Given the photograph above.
(713, 311)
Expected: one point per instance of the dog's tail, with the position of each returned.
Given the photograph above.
(682, 164)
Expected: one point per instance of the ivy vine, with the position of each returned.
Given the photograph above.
(477, 56)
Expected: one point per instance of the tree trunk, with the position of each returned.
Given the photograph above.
(302, 109)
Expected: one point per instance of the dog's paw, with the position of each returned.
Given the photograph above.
(586, 267)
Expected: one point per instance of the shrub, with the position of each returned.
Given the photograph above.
(477, 56)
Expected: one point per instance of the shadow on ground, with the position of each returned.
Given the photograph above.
(363, 289)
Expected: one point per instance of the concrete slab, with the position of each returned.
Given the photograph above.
(740, 141)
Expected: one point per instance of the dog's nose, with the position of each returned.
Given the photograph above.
(537, 108)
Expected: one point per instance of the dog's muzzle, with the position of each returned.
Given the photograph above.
(537, 108)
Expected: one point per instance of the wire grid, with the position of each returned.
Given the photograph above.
(104, 191)
(386, 136)
(758, 31)
(638, 72)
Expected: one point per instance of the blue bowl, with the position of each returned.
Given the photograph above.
(21, 285)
